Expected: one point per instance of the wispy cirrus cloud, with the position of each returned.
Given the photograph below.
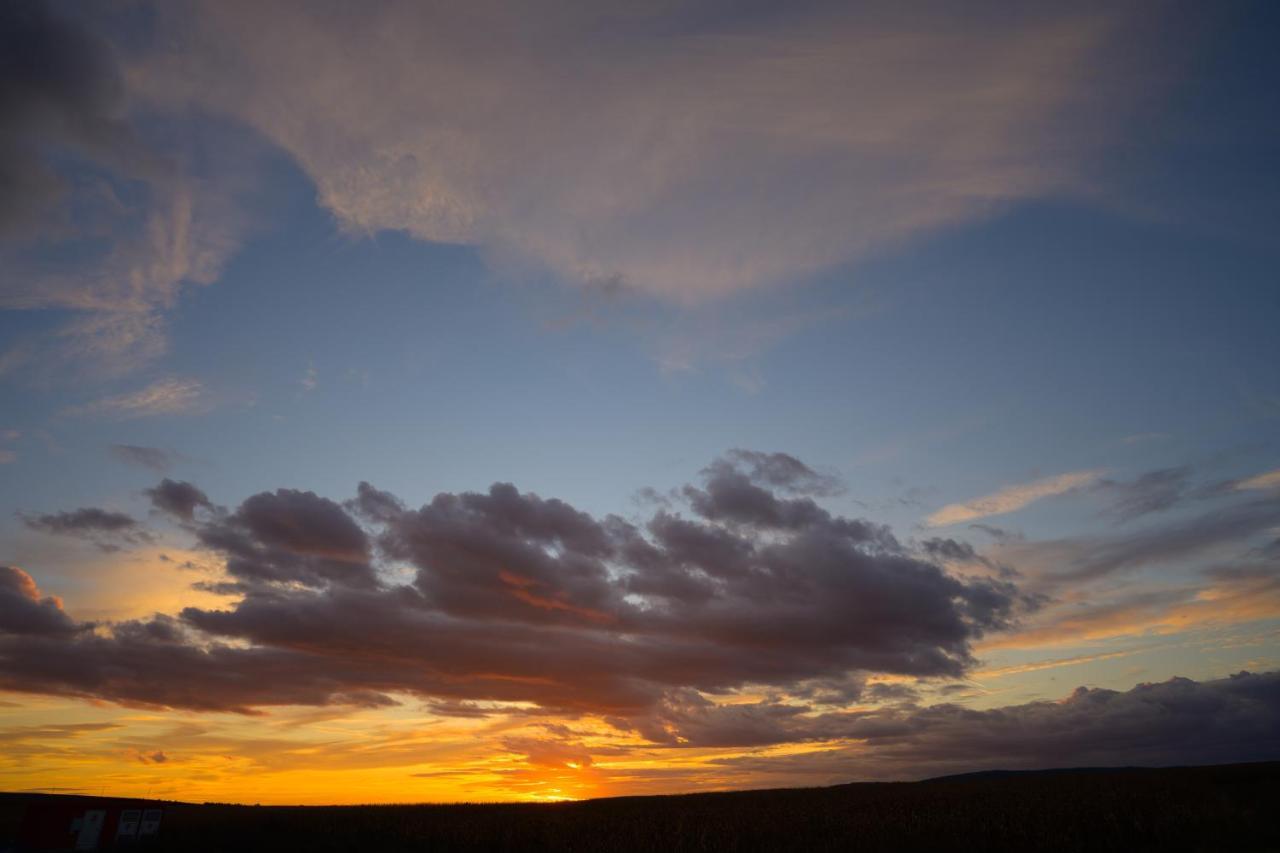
(1011, 498)
(851, 128)
(169, 396)
(1267, 480)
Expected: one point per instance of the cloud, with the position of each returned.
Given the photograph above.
(8, 456)
(23, 612)
(1154, 491)
(103, 527)
(1179, 721)
(1090, 558)
(286, 536)
(518, 598)
(152, 458)
(1010, 498)
(100, 221)
(1176, 722)
(851, 129)
(1222, 597)
(178, 498)
(169, 396)
(732, 494)
(781, 471)
(1267, 480)
(88, 519)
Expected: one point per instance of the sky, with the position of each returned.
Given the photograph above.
(408, 401)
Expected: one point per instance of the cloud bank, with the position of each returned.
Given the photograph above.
(1176, 722)
(741, 614)
(519, 598)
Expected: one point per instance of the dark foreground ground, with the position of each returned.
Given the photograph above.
(1234, 807)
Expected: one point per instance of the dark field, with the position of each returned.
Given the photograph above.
(1233, 807)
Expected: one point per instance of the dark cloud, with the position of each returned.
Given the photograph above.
(178, 498)
(152, 458)
(290, 536)
(59, 87)
(154, 664)
(1179, 721)
(24, 612)
(519, 598)
(729, 495)
(1154, 491)
(103, 527)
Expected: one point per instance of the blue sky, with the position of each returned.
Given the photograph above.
(1015, 269)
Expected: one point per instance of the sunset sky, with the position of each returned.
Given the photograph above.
(412, 401)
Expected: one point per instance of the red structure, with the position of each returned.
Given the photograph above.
(88, 823)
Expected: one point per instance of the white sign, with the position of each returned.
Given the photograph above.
(150, 822)
(128, 826)
(90, 829)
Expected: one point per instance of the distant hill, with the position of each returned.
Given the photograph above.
(1230, 807)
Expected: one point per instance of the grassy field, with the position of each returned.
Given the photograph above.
(1211, 808)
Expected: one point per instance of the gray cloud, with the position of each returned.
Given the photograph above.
(1179, 721)
(517, 598)
(1087, 559)
(104, 527)
(1176, 722)
(178, 498)
(24, 612)
(950, 549)
(520, 598)
(732, 492)
(1154, 491)
(285, 536)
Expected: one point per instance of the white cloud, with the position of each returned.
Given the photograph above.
(1010, 498)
